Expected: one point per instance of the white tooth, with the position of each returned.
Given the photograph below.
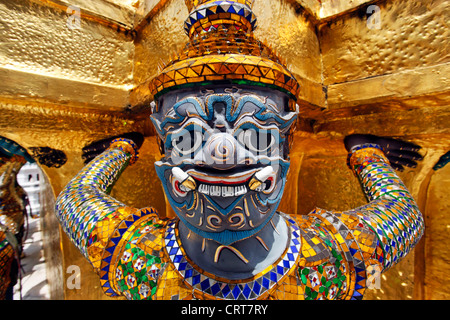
(215, 191)
(239, 190)
(203, 188)
(261, 187)
(183, 188)
(227, 192)
(179, 174)
(264, 173)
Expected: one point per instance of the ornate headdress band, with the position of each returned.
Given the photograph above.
(222, 49)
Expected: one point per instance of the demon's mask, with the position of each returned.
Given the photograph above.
(226, 158)
(224, 107)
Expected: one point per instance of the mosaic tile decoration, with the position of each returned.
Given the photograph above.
(212, 287)
(86, 212)
(214, 13)
(6, 258)
(392, 213)
(329, 255)
(222, 49)
(12, 207)
(128, 267)
(12, 211)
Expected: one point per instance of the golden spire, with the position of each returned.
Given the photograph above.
(210, 15)
(222, 49)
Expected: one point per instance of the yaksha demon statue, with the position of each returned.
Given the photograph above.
(13, 202)
(224, 110)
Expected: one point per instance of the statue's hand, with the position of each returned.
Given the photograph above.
(399, 153)
(46, 156)
(9, 148)
(97, 147)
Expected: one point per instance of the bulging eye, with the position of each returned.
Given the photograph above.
(187, 141)
(256, 140)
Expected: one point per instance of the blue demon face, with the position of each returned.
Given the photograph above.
(225, 158)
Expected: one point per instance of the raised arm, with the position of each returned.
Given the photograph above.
(86, 212)
(391, 214)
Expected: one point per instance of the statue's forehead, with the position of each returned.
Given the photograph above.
(228, 97)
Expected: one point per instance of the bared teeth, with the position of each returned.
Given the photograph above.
(239, 190)
(227, 191)
(258, 182)
(222, 191)
(203, 188)
(215, 191)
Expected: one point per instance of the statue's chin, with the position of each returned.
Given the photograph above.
(227, 237)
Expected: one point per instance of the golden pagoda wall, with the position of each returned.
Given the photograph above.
(390, 81)
(64, 88)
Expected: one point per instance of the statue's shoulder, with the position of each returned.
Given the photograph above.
(326, 267)
(150, 232)
(140, 263)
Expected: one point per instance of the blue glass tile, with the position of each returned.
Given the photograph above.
(204, 284)
(111, 249)
(195, 279)
(265, 283)
(256, 287)
(188, 273)
(273, 276)
(219, 9)
(246, 291)
(108, 259)
(170, 243)
(231, 9)
(215, 288)
(199, 16)
(236, 291)
(178, 258)
(182, 266)
(280, 270)
(110, 291)
(226, 290)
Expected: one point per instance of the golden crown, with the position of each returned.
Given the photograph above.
(222, 49)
